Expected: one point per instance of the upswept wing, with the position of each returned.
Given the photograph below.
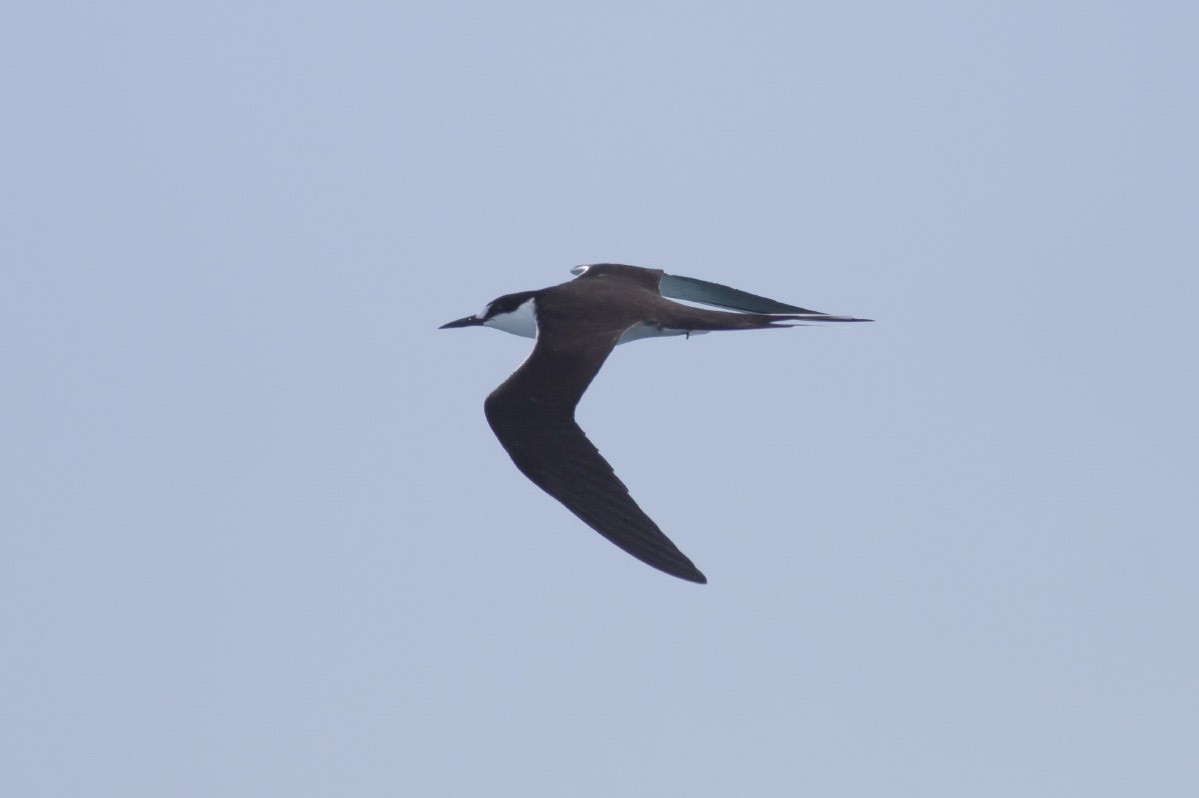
(690, 289)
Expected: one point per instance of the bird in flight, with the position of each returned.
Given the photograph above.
(576, 326)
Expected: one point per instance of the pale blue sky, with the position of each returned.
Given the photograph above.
(258, 539)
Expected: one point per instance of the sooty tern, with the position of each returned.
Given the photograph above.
(577, 325)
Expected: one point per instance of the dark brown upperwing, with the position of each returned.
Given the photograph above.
(532, 414)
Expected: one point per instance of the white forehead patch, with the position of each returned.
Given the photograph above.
(578, 271)
(522, 321)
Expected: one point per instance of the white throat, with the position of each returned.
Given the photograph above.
(522, 321)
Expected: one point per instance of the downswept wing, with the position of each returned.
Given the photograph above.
(532, 415)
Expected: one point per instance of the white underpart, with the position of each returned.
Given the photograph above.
(636, 333)
(522, 321)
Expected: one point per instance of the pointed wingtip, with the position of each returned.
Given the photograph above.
(833, 317)
(687, 572)
(818, 319)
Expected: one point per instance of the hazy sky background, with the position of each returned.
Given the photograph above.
(258, 539)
